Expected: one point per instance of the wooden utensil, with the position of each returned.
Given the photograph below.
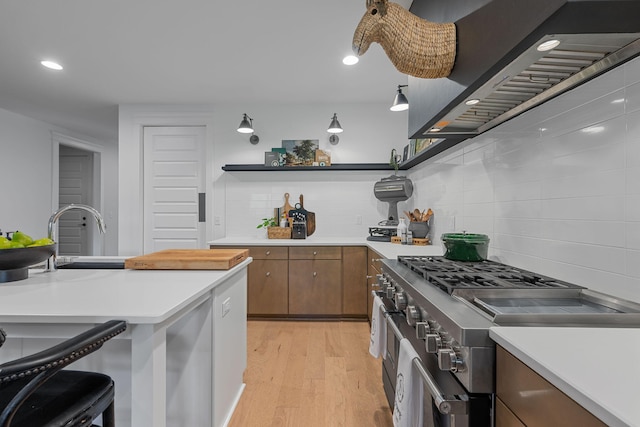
(311, 218)
(287, 207)
(416, 214)
(409, 215)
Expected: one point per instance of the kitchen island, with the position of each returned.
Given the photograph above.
(181, 360)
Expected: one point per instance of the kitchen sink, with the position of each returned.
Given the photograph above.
(92, 265)
(91, 262)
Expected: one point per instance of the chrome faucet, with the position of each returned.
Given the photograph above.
(51, 229)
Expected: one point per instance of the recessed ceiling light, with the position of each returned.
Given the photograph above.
(548, 45)
(51, 65)
(618, 101)
(472, 101)
(435, 129)
(350, 60)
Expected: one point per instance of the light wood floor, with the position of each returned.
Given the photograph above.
(311, 373)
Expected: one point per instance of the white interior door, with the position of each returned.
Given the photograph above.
(75, 184)
(174, 188)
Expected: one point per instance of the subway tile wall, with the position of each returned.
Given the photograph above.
(557, 189)
(343, 201)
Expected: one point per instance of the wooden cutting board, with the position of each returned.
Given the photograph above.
(188, 259)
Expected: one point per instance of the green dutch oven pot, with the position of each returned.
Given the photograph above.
(465, 247)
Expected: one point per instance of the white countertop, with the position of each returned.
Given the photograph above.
(599, 368)
(386, 249)
(94, 296)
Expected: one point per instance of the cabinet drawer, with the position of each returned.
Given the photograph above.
(269, 252)
(315, 252)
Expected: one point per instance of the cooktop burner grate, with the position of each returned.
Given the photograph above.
(450, 275)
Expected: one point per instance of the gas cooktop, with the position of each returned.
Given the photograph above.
(450, 275)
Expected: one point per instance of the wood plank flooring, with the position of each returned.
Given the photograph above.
(312, 374)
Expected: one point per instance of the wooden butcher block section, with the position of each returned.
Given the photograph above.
(188, 259)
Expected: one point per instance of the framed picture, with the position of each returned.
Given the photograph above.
(300, 152)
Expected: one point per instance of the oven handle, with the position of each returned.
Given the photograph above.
(444, 405)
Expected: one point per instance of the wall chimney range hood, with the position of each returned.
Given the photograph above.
(499, 66)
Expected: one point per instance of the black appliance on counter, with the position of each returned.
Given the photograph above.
(445, 308)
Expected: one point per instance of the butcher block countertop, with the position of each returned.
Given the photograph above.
(188, 259)
(596, 367)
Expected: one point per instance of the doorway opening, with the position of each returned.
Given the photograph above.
(77, 180)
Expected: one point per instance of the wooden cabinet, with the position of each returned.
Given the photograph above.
(504, 416)
(354, 281)
(307, 281)
(268, 281)
(315, 282)
(532, 400)
(373, 269)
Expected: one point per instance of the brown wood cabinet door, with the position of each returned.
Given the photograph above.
(373, 270)
(315, 287)
(354, 281)
(267, 283)
(534, 400)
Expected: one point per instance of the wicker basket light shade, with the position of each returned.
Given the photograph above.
(414, 45)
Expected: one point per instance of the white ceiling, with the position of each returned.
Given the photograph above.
(180, 52)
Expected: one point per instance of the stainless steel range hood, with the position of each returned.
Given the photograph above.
(499, 64)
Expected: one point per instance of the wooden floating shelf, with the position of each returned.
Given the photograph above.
(333, 167)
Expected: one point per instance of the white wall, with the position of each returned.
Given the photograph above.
(339, 199)
(556, 189)
(240, 199)
(26, 187)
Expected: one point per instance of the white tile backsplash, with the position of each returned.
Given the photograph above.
(560, 201)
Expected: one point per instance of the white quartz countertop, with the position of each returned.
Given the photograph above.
(95, 296)
(597, 367)
(386, 249)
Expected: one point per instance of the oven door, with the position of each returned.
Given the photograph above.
(446, 402)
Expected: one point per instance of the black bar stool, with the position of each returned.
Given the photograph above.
(35, 391)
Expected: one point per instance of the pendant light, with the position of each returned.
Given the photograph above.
(400, 102)
(246, 126)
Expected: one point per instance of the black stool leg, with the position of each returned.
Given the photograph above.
(108, 416)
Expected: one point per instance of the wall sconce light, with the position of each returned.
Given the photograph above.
(400, 102)
(246, 126)
(334, 128)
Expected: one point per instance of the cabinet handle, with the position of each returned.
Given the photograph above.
(376, 259)
(268, 253)
(268, 274)
(315, 253)
(315, 274)
(369, 277)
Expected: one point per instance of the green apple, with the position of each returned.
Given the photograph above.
(4, 243)
(22, 238)
(45, 241)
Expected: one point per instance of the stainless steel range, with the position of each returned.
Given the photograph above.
(445, 308)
